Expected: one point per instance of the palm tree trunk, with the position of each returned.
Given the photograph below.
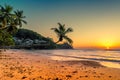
(3, 28)
(57, 42)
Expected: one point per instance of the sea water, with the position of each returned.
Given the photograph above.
(105, 57)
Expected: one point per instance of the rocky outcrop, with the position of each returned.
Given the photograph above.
(28, 42)
(64, 46)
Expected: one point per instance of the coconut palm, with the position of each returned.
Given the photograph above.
(19, 18)
(8, 20)
(61, 32)
(5, 15)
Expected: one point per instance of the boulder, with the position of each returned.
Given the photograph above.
(27, 42)
(64, 46)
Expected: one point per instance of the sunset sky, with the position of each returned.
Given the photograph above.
(96, 23)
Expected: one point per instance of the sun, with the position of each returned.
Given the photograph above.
(107, 44)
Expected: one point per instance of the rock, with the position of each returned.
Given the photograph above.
(37, 41)
(65, 46)
(43, 42)
(17, 41)
(24, 77)
(68, 76)
(27, 42)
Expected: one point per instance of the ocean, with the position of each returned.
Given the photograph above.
(105, 57)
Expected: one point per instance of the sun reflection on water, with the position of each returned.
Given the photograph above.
(111, 64)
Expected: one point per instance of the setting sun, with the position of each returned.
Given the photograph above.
(107, 44)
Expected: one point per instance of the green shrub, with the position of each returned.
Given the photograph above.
(26, 33)
(6, 39)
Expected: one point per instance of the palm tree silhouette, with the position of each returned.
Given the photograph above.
(5, 15)
(19, 18)
(8, 20)
(61, 32)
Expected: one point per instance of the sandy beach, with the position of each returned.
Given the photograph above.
(23, 65)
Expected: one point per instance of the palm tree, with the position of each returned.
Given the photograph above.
(19, 18)
(61, 32)
(8, 20)
(5, 15)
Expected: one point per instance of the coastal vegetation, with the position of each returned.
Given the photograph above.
(61, 32)
(9, 22)
(5, 39)
(11, 33)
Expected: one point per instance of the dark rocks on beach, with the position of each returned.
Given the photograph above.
(28, 41)
(109, 76)
(75, 72)
(61, 66)
(86, 75)
(24, 77)
(56, 79)
(101, 73)
(64, 46)
(81, 76)
(68, 76)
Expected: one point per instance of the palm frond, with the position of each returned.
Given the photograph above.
(25, 22)
(61, 27)
(56, 31)
(61, 32)
(68, 30)
(68, 39)
(8, 8)
(19, 17)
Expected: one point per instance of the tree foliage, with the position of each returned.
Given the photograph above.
(61, 32)
(27, 34)
(5, 39)
(10, 20)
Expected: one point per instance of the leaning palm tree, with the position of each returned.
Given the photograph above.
(61, 32)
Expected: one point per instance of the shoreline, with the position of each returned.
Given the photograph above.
(20, 65)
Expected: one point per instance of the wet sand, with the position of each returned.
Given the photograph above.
(23, 65)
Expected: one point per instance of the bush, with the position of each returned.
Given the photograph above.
(27, 34)
(6, 39)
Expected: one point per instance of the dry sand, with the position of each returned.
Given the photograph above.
(20, 65)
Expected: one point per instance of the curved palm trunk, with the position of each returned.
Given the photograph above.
(60, 39)
(57, 42)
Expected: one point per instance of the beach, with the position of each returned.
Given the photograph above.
(28, 65)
